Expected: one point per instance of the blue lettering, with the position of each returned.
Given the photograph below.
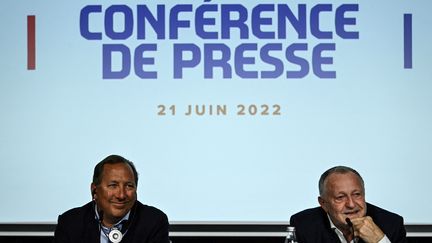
(201, 21)
(179, 60)
(315, 21)
(298, 23)
(175, 22)
(210, 62)
(109, 22)
(241, 60)
(267, 58)
(107, 72)
(319, 60)
(158, 24)
(258, 21)
(292, 58)
(341, 21)
(227, 23)
(140, 61)
(84, 22)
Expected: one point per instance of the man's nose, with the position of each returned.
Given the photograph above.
(350, 202)
(121, 193)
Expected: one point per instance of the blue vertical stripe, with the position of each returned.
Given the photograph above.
(407, 41)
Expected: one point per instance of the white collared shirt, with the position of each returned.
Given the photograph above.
(355, 240)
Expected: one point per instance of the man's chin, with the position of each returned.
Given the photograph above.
(116, 216)
(119, 212)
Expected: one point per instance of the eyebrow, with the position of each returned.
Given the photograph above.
(125, 182)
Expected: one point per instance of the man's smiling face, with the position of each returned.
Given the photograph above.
(343, 197)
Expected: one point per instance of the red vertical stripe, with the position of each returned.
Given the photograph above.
(31, 42)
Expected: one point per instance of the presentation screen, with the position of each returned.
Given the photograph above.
(230, 111)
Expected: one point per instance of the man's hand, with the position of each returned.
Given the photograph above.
(366, 229)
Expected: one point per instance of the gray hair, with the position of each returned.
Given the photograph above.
(340, 170)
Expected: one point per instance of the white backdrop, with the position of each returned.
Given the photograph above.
(59, 120)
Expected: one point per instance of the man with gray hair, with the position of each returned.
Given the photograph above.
(344, 215)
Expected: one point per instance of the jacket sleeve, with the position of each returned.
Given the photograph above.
(399, 235)
(160, 232)
(299, 234)
(60, 233)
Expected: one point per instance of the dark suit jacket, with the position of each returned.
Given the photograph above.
(313, 226)
(146, 225)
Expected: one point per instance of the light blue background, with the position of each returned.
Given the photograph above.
(58, 121)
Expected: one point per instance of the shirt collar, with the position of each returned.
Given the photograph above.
(121, 221)
(339, 232)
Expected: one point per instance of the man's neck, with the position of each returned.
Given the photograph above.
(110, 222)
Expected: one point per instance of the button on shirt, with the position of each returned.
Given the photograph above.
(355, 240)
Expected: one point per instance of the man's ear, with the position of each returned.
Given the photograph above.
(93, 191)
(321, 201)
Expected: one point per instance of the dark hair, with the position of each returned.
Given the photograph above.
(112, 159)
(340, 170)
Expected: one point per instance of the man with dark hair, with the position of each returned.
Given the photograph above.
(344, 216)
(114, 214)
